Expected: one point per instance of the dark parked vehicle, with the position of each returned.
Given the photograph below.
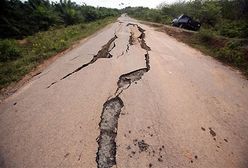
(186, 22)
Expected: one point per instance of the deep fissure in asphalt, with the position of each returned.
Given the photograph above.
(130, 42)
(106, 154)
(125, 80)
(108, 132)
(142, 39)
(103, 53)
(131, 38)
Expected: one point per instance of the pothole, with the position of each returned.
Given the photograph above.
(108, 132)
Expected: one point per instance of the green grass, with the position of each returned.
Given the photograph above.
(19, 58)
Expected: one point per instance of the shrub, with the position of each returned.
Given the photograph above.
(9, 50)
(205, 36)
(233, 53)
(233, 29)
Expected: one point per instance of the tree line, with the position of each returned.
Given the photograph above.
(22, 18)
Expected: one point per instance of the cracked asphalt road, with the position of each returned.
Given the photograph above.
(150, 101)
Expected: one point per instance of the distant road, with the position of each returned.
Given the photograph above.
(128, 97)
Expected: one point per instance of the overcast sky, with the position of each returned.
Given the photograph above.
(123, 3)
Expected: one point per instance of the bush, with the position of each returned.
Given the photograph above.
(233, 53)
(205, 36)
(233, 29)
(9, 50)
(21, 18)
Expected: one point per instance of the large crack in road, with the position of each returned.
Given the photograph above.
(142, 39)
(106, 154)
(127, 79)
(103, 53)
(108, 132)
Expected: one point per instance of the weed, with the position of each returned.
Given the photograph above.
(9, 50)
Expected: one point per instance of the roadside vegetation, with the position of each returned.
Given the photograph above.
(32, 31)
(224, 31)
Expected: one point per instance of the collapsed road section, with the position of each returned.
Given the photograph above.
(103, 53)
(108, 132)
(106, 154)
(141, 37)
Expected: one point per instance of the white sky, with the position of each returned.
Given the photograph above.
(118, 3)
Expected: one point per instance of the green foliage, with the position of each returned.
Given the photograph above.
(19, 19)
(153, 15)
(68, 12)
(209, 13)
(227, 17)
(205, 36)
(232, 29)
(234, 53)
(9, 50)
(234, 9)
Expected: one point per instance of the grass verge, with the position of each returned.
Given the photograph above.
(17, 58)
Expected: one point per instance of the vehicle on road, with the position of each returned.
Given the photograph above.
(186, 22)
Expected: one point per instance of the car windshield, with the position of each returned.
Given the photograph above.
(180, 17)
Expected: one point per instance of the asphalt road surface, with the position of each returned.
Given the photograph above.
(128, 97)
